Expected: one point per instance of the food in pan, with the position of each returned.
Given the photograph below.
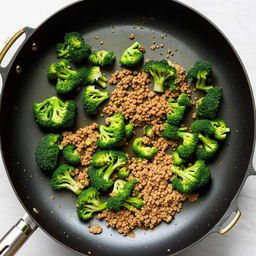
(167, 160)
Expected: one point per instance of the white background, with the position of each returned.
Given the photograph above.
(237, 19)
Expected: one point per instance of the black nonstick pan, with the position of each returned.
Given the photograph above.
(25, 82)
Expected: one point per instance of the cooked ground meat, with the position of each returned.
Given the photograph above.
(96, 229)
(140, 105)
(131, 36)
(85, 141)
(161, 202)
(133, 97)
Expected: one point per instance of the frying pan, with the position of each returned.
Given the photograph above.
(25, 82)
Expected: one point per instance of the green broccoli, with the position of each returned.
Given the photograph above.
(71, 155)
(61, 178)
(143, 151)
(189, 139)
(132, 56)
(121, 196)
(190, 179)
(161, 71)
(129, 130)
(67, 79)
(208, 149)
(55, 114)
(216, 128)
(47, 151)
(220, 129)
(203, 126)
(148, 130)
(201, 71)
(112, 136)
(103, 166)
(102, 58)
(183, 100)
(88, 203)
(176, 159)
(94, 75)
(179, 108)
(207, 106)
(92, 98)
(123, 173)
(73, 48)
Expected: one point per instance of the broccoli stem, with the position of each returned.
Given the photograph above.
(183, 174)
(70, 183)
(134, 46)
(128, 206)
(109, 171)
(101, 81)
(206, 141)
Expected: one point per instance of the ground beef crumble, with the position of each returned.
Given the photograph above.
(161, 202)
(96, 229)
(134, 99)
(140, 105)
(85, 141)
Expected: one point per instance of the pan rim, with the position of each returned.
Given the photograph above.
(219, 31)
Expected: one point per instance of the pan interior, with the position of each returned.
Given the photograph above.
(194, 38)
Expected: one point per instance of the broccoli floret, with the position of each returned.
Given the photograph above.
(92, 98)
(100, 175)
(103, 158)
(183, 100)
(102, 58)
(208, 106)
(112, 136)
(161, 71)
(55, 114)
(208, 149)
(132, 56)
(73, 48)
(71, 155)
(201, 71)
(176, 115)
(190, 140)
(176, 159)
(143, 151)
(190, 179)
(178, 111)
(123, 173)
(129, 130)
(94, 75)
(67, 79)
(61, 178)
(148, 130)
(88, 203)
(121, 196)
(47, 151)
(220, 129)
(203, 126)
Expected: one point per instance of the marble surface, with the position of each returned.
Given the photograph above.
(237, 19)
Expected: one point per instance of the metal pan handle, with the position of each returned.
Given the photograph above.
(17, 236)
(28, 31)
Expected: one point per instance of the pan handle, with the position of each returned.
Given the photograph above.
(10, 43)
(17, 235)
(28, 31)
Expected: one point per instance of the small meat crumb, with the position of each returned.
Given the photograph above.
(147, 60)
(96, 229)
(131, 36)
(80, 139)
(131, 234)
(101, 42)
(192, 197)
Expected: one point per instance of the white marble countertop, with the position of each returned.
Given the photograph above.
(237, 19)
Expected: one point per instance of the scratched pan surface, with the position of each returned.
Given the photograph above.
(112, 21)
